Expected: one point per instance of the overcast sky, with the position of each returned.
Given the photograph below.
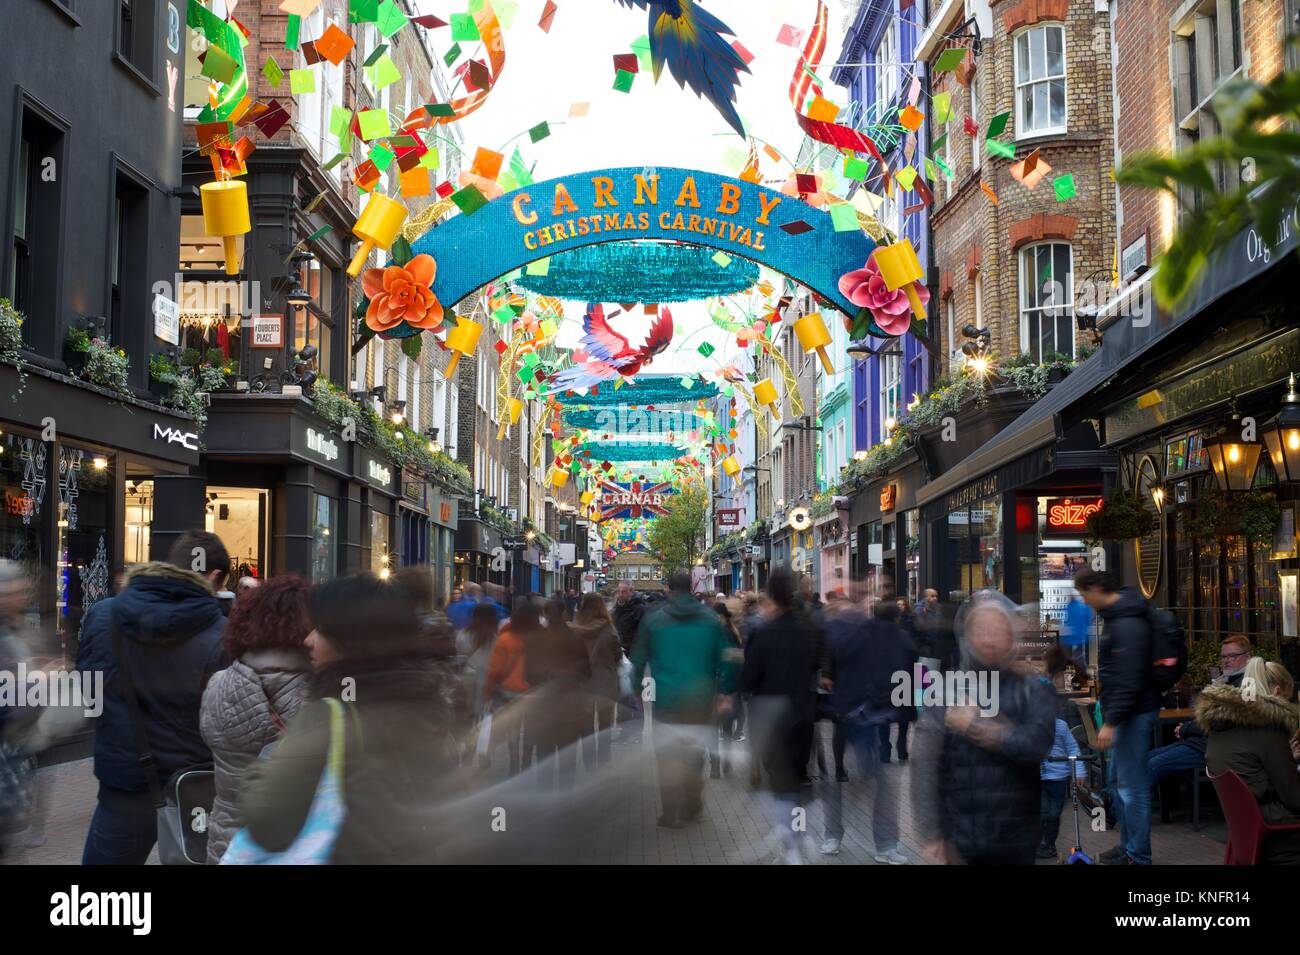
(655, 124)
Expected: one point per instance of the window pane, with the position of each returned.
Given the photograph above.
(1065, 335)
(1061, 272)
(1022, 57)
(1029, 293)
(20, 197)
(1055, 56)
(1041, 106)
(1045, 346)
(1037, 54)
(1026, 109)
(1057, 88)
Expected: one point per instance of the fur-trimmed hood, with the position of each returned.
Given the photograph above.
(165, 604)
(1222, 707)
(160, 568)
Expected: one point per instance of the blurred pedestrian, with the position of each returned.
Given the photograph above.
(903, 716)
(160, 639)
(506, 684)
(595, 627)
(685, 648)
(728, 717)
(474, 646)
(370, 652)
(977, 781)
(629, 608)
(781, 663)
(558, 670)
(247, 705)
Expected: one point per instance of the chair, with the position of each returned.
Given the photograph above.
(1247, 830)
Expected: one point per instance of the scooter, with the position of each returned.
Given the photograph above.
(1076, 855)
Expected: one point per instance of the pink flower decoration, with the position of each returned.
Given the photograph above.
(866, 288)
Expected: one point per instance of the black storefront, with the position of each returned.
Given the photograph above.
(481, 553)
(285, 492)
(78, 467)
(886, 532)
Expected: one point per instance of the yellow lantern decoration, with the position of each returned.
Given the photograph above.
(225, 214)
(765, 394)
(462, 340)
(379, 224)
(900, 268)
(516, 408)
(731, 466)
(588, 497)
(814, 336)
(559, 477)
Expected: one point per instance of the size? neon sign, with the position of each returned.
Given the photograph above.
(1065, 513)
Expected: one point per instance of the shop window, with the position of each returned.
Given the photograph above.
(239, 516)
(136, 34)
(887, 68)
(137, 521)
(1207, 51)
(35, 266)
(912, 554)
(891, 390)
(25, 477)
(313, 323)
(1040, 81)
(128, 255)
(381, 560)
(324, 562)
(1046, 291)
(85, 509)
(974, 547)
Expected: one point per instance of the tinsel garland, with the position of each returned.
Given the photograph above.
(641, 272)
(648, 390)
(609, 423)
(630, 451)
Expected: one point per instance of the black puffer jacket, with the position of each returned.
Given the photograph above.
(1124, 661)
(782, 659)
(989, 798)
(171, 627)
(627, 620)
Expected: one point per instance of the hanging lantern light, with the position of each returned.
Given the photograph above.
(462, 340)
(1233, 458)
(814, 336)
(765, 394)
(1282, 435)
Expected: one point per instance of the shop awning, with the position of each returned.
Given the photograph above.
(1038, 427)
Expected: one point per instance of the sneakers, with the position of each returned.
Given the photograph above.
(841, 776)
(1046, 852)
(831, 847)
(1115, 856)
(891, 857)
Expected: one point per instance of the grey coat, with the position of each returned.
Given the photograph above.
(237, 724)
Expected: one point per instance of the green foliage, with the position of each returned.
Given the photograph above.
(1123, 517)
(188, 398)
(677, 536)
(163, 368)
(77, 340)
(107, 367)
(190, 357)
(1221, 514)
(543, 539)
(724, 544)
(496, 517)
(11, 342)
(215, 357)
(1202, 656)
(1258, 124)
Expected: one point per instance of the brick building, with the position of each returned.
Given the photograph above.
(1014, 265)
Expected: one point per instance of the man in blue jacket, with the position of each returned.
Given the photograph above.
(169, 627)
(1130, 707)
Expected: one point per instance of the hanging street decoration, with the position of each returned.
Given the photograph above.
(640, 272)
(605, 354)
(400, 294)
(637, 499)
(649, 391)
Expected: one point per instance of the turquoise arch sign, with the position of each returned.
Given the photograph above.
(619, 205)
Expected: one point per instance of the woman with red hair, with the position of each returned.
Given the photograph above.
(246, 706)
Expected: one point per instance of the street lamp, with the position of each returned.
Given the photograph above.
(1233, 458)
(1282, 435)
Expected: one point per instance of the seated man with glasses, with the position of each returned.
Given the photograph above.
(1189, 751)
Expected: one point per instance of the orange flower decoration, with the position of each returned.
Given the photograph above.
(401, 293)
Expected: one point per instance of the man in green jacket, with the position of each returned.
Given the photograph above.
(683, 643)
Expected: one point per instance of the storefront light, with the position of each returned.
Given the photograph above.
(1158, 495)
(1233, 458)
(99, 464)
(1282, 435)
(978, 364)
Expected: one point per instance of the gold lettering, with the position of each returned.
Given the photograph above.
(729, 205)
(733, 230)
(646, 189)
(746, 237)
(643, 221)
(611, 221)
(544, 236)
(768, 205)
(629, 221)
(530, 241)
(688, 194)
(693, 224)
(758, 242)
(560, 233)
(679, 222)
(563, 201)
(518, 206)
(663, 221)
(584, 227)
(604, 191)
(595, 222)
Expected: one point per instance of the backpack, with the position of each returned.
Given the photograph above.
(1168, 648)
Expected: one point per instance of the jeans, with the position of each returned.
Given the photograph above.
(1133, 784)
(1054, 792)
(119, 837)
(1175, 758)
(595, 747)
(902, 740)
(865, 743)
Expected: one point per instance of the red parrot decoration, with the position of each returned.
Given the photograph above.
(605, 354)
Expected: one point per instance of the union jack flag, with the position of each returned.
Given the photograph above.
(633, 500)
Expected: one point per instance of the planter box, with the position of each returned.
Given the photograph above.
(75, 360)
(160, 390)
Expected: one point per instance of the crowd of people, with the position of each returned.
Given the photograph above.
(335, 721)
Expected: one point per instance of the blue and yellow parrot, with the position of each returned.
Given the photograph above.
(689, 39)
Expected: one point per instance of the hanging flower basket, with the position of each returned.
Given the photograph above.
(1122, 518)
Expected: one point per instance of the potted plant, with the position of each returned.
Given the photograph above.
(106, 366)
(11, 342)
(1058, 366)
(163, 375)
(76, 345)
(1124, 517)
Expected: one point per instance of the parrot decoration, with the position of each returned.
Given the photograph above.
(689, 39)
(605, 354)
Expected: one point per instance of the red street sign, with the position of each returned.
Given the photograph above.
(1071, 513)
(729, 517)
